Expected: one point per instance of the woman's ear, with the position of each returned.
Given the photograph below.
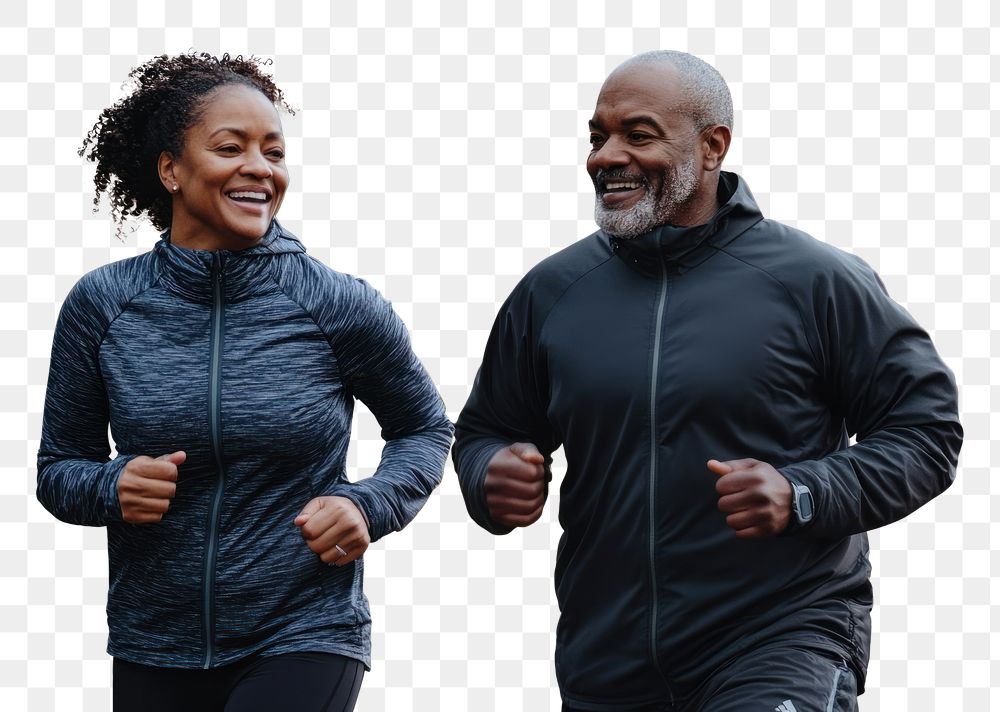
(165, 168)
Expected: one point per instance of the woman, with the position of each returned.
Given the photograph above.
(227, 362)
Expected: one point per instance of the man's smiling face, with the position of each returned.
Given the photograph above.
(644, 157)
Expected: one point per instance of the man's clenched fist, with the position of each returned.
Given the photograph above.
(755, 496)
(515, 485)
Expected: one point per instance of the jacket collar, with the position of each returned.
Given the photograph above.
(190, 273)
(681, 248)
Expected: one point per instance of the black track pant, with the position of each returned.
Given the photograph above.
(306, 682)
(778, 677)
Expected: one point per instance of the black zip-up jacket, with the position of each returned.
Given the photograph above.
(644, 359)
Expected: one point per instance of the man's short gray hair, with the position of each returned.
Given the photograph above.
(707, 94)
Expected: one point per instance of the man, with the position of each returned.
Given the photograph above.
(703, 369)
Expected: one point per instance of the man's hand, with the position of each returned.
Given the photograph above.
(515, 485)
(146, 487)
(755, 496)
(334, 528)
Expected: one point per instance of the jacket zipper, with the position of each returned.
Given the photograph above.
(215, 434)
(664, 283)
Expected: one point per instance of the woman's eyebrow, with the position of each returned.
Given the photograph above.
(243, 134)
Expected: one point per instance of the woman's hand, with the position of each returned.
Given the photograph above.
(146, 487)
(334, 528)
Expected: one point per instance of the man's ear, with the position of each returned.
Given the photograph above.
(165, 169)
(714, 144)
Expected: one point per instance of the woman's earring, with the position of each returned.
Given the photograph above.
(175, 187)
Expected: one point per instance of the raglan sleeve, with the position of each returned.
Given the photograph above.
(77, 480)
(897, 398)
(381, 370)
(507, 403)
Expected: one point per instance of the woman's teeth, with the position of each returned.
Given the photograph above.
(248, 195)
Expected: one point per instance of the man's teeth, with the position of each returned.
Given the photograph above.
(247, 194)
(621, 185)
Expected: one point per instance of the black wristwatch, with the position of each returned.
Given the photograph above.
(802, 503)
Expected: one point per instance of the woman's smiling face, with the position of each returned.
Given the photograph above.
(231, 174)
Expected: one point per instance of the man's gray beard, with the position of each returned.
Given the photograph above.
(677, 187)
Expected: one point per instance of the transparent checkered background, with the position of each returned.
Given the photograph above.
(438, 152)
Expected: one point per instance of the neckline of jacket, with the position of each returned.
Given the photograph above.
(680, 249)
(190, 273)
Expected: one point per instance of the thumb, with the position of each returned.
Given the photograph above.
(175, 458)
(313, 506)
(528, 452)
(719, 468)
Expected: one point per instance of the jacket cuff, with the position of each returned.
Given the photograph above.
(828, 519)
(473, 481)
(109, 487)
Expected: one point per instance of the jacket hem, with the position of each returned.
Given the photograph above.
(194, 661)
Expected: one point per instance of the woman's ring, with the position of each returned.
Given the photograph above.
(338, 548)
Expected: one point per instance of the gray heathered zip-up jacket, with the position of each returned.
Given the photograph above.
(250, 362)
(646, 358)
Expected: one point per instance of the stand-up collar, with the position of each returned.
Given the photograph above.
(189, 273)
(681, 248)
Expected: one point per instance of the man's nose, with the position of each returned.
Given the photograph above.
(610, 154)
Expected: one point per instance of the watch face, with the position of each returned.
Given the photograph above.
(803, 503)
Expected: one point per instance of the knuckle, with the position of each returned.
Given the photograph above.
(162, 470)
(312, 536)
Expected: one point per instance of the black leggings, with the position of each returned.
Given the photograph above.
(310, 682)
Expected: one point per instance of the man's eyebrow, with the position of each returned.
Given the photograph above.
(644, 119)
(632, 121)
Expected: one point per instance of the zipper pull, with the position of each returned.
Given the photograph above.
(219, 266)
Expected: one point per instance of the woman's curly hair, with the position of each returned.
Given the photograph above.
(168, 98)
